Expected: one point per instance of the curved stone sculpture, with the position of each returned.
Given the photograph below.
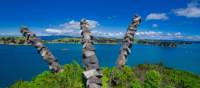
(42, 49)
(91, 64)
(127, 42)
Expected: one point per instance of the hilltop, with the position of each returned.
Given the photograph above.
(141, 76)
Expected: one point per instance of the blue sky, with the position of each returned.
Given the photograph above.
(160, 18)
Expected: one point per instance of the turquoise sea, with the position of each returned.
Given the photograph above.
(19, 62)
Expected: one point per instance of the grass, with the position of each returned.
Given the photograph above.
(141, 76)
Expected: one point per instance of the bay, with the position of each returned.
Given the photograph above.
(19, 62)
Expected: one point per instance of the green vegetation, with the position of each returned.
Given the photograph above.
(77, 40)
(12, 40)
(152, 79)
(162, 43)
(66, 40)
(15, 40)
(70, 78)
(22, 41)
(142, 76)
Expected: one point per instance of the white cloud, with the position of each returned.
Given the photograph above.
(58, 31)
(157, 16)
(72, 27)
(120, 34)
(194, 38)
(148, 35)
(191, 11)
(140, 34)
(158, 35)
(9, 34)
(93, 24)
(154, 25)
(108, 34)
(177, 33)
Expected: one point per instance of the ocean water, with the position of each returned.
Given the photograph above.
(18, 62)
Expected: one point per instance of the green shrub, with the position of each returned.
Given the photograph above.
(152, 79)
(70, 78)
(136, 84)
(155, 77)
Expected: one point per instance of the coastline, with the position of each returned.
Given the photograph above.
(110, 41)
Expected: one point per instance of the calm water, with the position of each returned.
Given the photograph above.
(23, 62)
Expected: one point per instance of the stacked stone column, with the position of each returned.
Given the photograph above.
(91, 64)
(127, 42)
(31, 38)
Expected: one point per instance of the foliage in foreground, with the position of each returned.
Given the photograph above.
(142, 76)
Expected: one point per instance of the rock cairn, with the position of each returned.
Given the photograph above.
(127, 42)
(92, 72)
(31, 38)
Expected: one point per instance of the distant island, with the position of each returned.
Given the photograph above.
(76, 40)
(163, 43)
(13, 40)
